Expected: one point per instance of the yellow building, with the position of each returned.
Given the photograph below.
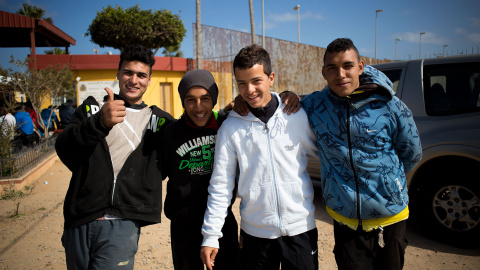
(95, 72)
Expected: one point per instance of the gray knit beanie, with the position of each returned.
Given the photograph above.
(198, 77)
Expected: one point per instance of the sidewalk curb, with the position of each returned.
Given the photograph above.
(33, 174)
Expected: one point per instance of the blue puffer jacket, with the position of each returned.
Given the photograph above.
(366, 145)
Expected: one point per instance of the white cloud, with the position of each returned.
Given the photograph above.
(475, 22)
(285, 17)
(365, 51)
(293, 16)
(428, 37)
(311, 15)
(475, 37)
(461, 31)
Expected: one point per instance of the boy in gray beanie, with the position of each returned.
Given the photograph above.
(188, 149)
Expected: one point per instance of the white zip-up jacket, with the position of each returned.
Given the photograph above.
(275, 189)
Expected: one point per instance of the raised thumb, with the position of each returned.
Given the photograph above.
(110, 94)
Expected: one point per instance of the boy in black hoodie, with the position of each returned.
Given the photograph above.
(188, 150)
(116, 182)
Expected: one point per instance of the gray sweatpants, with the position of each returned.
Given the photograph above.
(102, 244)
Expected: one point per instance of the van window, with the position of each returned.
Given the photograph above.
(394, 76)
(452, 88)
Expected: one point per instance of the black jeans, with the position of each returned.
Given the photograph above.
(360, 250)
(187, 240)
(299, 252)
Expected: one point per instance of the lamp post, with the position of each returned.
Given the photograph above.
(397, 39)
(297, 8)
(444, 46)
(376, 15)
(263, 28)
(420, 50)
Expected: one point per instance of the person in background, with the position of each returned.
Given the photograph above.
(367, 141)
(116, 185)
(33, 114)
(66, 113)
(7, 123)
(23, 128)
(50, 119)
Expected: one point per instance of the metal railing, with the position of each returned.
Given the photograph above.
(27, 158)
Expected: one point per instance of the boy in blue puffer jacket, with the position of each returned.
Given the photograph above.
(367, 142)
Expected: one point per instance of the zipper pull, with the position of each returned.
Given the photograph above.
(381, 242)
(265, 129)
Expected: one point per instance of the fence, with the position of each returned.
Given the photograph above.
(26, 159)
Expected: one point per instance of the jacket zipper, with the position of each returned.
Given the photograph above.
(350, 151)
(266, 131)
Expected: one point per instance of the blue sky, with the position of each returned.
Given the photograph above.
(445, 22)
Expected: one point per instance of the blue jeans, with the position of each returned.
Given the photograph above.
(102, 244)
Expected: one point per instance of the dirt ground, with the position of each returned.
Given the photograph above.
(32, 240)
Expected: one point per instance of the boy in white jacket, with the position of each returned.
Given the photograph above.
(270, 148)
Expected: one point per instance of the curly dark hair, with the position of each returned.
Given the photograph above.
(137, 52)
(252, 55)
(341, 45)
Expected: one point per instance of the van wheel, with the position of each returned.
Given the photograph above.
(453, 210)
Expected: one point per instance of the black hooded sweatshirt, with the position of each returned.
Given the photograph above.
(92, 194)
(189, 169)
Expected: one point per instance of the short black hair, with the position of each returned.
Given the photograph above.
(341, 45)
(252, 55)
(137, 52)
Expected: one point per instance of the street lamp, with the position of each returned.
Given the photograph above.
(297, 8)
(397, 39)
(376, 15)
(263, 28)
(444, 49)
(420, 50)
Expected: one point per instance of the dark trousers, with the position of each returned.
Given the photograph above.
(360, 250)
(298, 252)
(187, 241)
(102, 244)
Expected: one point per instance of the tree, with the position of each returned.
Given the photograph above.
(39, 85)
(172, 51)
(55, 51)
(33, 12)
(118, 28)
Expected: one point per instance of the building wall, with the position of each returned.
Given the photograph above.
(153, 94)
(297, 67)
(90, 69)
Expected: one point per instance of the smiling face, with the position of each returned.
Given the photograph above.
(198, 105)
(254, 85)
(134, 79)
(342, 71)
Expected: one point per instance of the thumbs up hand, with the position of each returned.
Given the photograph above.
(113, 111)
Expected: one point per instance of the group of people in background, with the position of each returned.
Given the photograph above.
(119, 150)
(22, 125)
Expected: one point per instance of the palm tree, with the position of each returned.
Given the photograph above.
(55, 51)
(33, 12)
(172, 51)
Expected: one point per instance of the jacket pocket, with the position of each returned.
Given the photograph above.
(394, 188)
